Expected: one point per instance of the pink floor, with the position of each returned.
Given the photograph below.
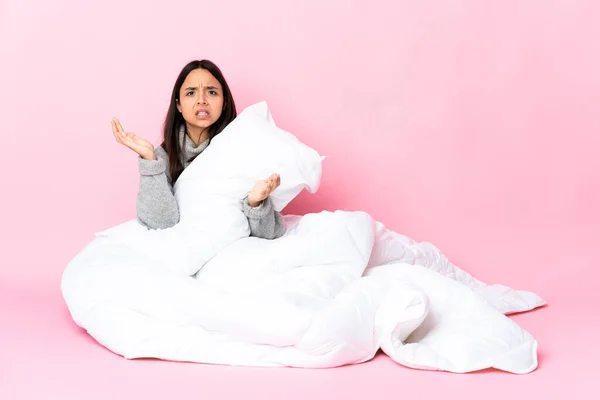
(45, 356)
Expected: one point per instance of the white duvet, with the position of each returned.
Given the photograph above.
(335, 289)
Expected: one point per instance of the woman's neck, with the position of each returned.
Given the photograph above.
(198, 135)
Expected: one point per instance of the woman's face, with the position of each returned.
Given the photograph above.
(200, 99)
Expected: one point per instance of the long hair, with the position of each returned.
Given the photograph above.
(174, 119)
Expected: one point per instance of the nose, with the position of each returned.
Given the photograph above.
(202, 98)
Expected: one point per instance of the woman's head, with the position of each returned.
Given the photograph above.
(202, 102)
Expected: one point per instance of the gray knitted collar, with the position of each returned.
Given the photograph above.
(190, 150)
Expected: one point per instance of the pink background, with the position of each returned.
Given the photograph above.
(470, 124)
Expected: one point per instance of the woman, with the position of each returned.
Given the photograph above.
(201, 107)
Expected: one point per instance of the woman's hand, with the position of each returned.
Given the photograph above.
(141, 146)
(263, 189)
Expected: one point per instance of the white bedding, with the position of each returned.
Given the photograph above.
(336, 288)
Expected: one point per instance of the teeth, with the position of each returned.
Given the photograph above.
(202, 113)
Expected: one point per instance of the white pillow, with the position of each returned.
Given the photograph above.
(211, 189)
(252, 147)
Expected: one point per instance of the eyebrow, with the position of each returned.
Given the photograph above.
(207, 87)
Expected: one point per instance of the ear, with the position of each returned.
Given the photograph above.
(178, 105)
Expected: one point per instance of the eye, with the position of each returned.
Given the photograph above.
(213, 92)
(190, 93)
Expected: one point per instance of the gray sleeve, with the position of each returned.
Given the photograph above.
(265, 222)
(155, 203)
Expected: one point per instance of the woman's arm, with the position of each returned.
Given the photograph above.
(155, 203)
(265, 222)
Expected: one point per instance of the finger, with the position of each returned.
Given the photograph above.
(116, 133)
(275, 179)
(128, 137)
(120, 128)
(274, 182)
